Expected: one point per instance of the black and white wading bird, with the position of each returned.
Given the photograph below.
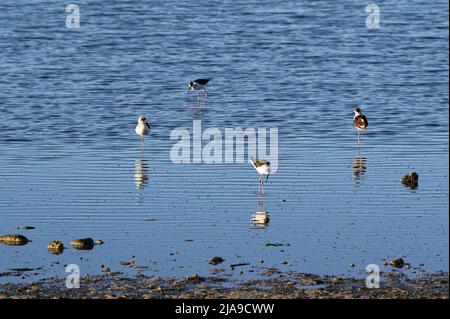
(142, 129)
(199, 85)
(359, 120)
(263, 169)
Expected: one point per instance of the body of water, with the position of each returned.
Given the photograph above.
(71, 164)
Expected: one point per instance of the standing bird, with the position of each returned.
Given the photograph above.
(359, 120)
(199, 85)
(263, 169)
(142, 129)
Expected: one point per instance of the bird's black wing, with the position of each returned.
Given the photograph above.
(148, 125)
(259, 162)
(364, 118)
(202, 81)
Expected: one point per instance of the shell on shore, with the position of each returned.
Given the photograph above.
(13, 240)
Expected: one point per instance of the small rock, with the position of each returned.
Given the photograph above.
(352, 265)
(216, 260)
(284, 262)
(55, 247)
(397, 263)
(83, 244)
(13, 240)
(411, 180)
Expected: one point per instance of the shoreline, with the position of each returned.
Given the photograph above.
(286, 285)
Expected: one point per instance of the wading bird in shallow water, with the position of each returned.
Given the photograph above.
(199, 85)
(142, 128)
(359, 120)
(263, 169)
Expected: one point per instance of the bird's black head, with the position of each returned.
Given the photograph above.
(190, 84)
(357, 109)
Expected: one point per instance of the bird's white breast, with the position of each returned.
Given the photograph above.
(196, 86)
(263, 170)
(142, 129)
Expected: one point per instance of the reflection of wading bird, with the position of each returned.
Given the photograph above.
(261, 218)
(359, 167)
(142, 129)
(199, 85)
(140, 173)
(263, 169)
(359, 120)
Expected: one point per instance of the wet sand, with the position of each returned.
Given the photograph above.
(277, 285)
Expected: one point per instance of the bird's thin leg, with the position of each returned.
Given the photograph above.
(358, 137)
(259, 185)
(198, 101)
(142, 144)
(206, 95)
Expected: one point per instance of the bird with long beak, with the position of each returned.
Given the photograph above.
(142, 129)
(263, 169)
(199, 85)
(359, 120)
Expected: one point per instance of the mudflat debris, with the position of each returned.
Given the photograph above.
(291, 285)
(268, 244)
(26, 227)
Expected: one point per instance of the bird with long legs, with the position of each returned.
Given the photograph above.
(199, 85)
(263, 168)
(359, 121)
(142, 129)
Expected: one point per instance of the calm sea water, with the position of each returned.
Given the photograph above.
(71, 164)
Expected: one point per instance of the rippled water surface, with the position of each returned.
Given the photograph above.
(71, 164)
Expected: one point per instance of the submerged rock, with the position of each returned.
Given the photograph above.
(83, 244)
(55, 247)
(216, 260)
(397, 263)
(13, 240)
(411, 180)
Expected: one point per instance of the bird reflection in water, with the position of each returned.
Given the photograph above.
(358, 168)
(140, 175)
(261, 218)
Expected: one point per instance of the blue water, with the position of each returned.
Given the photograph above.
(71, 164)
